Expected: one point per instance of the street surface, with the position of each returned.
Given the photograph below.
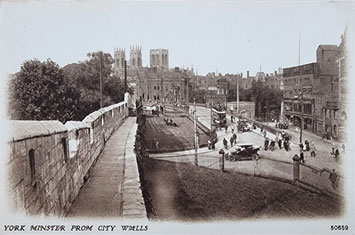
(322, 160)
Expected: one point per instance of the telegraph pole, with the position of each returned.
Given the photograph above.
(301, 83)
(211, 104)
(195, 134)
(101, 101)
(237, 94)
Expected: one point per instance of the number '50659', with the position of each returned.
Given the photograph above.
(339, 227)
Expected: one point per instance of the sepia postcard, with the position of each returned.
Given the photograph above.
(177, 117)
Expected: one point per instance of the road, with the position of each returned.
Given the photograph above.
(323, 158)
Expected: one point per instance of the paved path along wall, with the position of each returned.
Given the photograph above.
(49, 162)
(113, 186)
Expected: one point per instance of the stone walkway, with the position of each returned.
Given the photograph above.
(103, 195)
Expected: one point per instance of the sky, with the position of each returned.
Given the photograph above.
(210, 36)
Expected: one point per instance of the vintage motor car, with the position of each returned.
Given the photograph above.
(243, 125)
(240, 152)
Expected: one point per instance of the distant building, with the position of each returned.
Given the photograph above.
(310, 91)
(157, 83)
(273, 81)
(171, 87)
(217, 93)
(343, 88)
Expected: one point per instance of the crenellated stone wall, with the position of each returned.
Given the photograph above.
(49, 161)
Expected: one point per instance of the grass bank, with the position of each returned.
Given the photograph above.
(179, 191)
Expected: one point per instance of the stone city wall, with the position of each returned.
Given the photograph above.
(49, 162)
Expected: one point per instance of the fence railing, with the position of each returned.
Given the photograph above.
(319, 180)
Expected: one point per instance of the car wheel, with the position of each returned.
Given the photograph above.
(255, 156)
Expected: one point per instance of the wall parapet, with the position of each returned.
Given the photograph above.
(49, 161)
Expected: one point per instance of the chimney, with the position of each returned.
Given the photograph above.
(248, 74)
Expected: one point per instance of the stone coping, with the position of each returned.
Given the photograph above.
(20, 130)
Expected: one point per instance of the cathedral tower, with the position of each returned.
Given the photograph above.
(119, 57)
(159, 58)
(135, 57)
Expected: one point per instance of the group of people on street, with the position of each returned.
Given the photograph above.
(232, 140)
(281, 141)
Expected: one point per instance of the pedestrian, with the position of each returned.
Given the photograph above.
(266, 144)
(301, 146)
(280, 143)
(235, 137)
(232, 127)
(336, 154)
(302, 157)
(261, 130)
(209, 144)
(226, 128)
(286, 145)
(231, 140)
(313, 153)
(213, 145)
(333, 177)
(225, 143)
(272, 145)
(264, 134)
(307, 145)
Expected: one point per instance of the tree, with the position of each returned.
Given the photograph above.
(85, 76)
(40, 92)
(267, 100)
(199, 95)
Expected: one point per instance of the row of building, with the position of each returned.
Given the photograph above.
(316, 92)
